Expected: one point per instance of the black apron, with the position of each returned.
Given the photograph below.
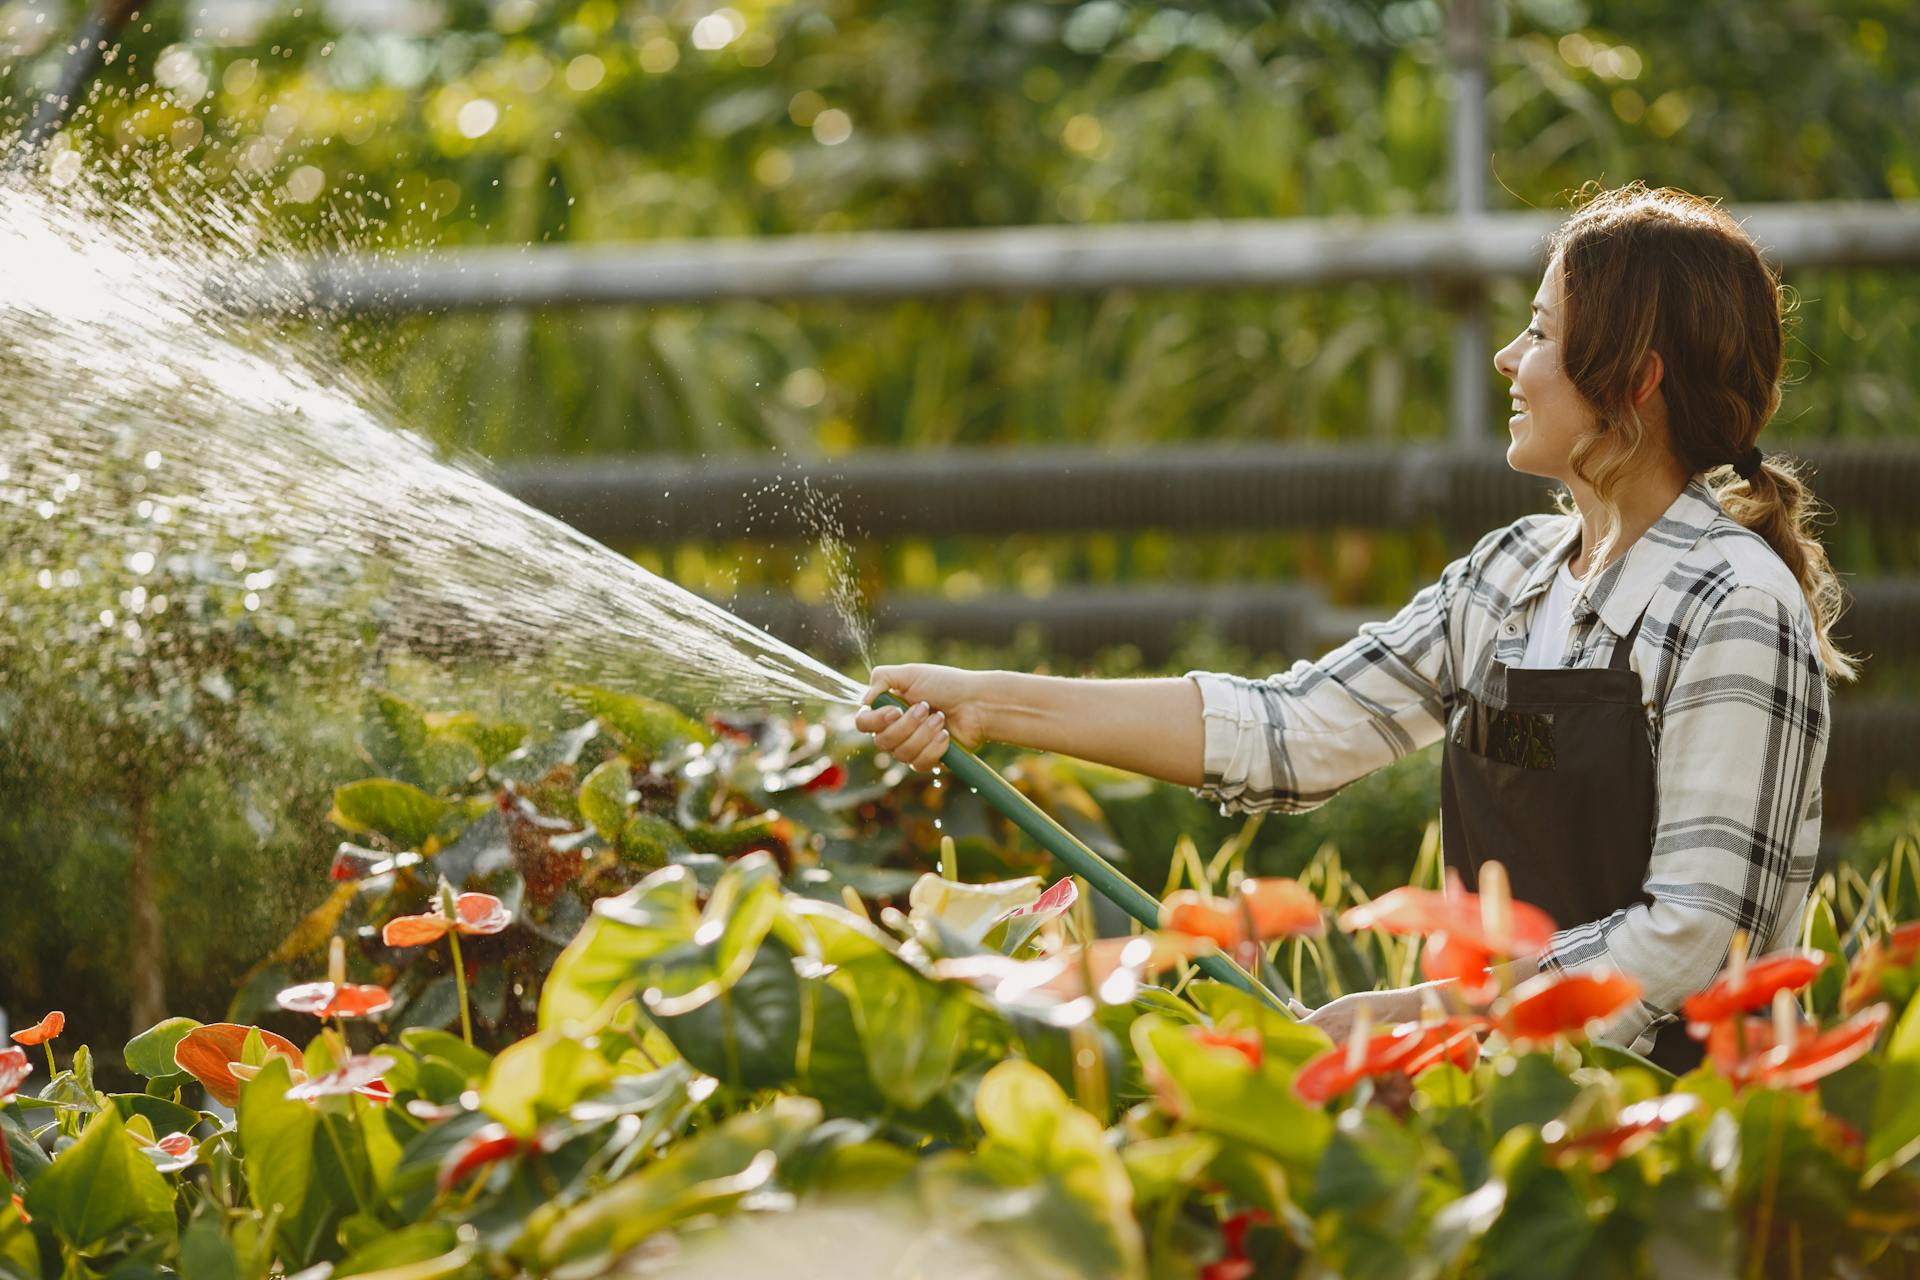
(1557, 784)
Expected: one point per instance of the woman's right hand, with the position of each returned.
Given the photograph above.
(942, 702)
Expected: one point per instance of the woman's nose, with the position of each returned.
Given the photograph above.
(1503, 361)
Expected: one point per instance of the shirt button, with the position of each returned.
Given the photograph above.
(1511, 627)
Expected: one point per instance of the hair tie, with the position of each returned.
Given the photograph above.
(1747, 465)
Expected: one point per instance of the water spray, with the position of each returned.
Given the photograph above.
(1078, 858)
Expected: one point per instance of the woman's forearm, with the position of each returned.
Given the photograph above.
(1153, 727)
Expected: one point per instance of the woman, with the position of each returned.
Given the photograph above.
(1632, 693)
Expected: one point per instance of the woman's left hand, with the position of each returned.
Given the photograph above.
(1336, 1017)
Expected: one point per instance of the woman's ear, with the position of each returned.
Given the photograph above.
(1652, 369)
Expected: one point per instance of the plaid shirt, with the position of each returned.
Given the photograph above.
(1736, 701)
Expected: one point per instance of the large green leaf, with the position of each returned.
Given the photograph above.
(1895, 1138)
(421, 1242)
(294, 1165)
(151, 1052)
(622, 946)
(1534, 1092)
(19, 1250)
(645, 727)
(1220, 1092)
(540, 1077)
(603, 798)
(705, 1174)
(910, 1026)
(748, 1032)
(398, 737)
(400, 811)
(102, 1186)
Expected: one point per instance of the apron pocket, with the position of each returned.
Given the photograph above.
(1522, 739)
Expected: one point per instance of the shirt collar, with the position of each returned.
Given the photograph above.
(1626, 586)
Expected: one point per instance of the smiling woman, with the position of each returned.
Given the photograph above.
(1632, 693)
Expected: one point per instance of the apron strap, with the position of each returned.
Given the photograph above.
(1624, 650)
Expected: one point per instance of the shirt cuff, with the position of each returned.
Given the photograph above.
(1230, 722)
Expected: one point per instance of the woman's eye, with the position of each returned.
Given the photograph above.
(1535, 333)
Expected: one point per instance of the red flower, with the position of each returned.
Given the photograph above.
(476, 913)
(1055, 900)
(1455, 1040)
(42, 1031)
(358, 1074)
(326, 1000)
(1556, 1004)
(1751, 986)
(831, 778)
(1277, 908)
(1343, 1066)
(1635, 1127)
(176, 1144)
(1234, 1264)
(1245, 1043)
(19, 1205)
(14, 1070)
(1512, 928)
(486, 1146)
(1464, 932)
(208, 1054)
(1749, 1052)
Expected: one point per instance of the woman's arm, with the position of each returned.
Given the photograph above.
(1151, 727)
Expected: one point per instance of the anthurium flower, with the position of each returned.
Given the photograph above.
(1564, 1004)
(357, 1074)
(1480, 921)
(476, 914)
(1245, 1043)
(969, 910)
(1745, 987)
(1757, 1054)
(210, 1053)
(42, 1031)
(486, 1146)
(1635, 1126)
(176, 1144)
(1364, 1056)
(1234, 1263)
(335, 1000)
(1455, 1040)
(1897, 950)
(1053, 902)
(1273, 907)
(14, 1070)
(1115, 966)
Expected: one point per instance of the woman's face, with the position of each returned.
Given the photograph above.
(1549, 415)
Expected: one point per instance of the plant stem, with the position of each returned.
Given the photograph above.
(460, 985)
(346, 1165)
(52, 1070)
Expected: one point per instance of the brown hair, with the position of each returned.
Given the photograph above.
(1661, 270)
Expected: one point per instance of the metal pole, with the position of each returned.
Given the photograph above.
(83, 60)
(1472, 332)
(1079, 859)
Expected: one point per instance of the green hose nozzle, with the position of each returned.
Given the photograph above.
(1078, 858)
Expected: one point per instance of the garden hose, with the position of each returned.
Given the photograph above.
(1078, 858)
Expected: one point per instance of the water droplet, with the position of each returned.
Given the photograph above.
(152, 460)
(140, 562)
(252, 601)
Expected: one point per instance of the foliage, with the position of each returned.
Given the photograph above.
(734, 1025)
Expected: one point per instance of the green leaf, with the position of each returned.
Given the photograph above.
(644, 727)
(539, 1078)
(749, 1032)
(492, 740)
(1895, 1138)
(428, 1042)
(1543, 1229)
(420, 1242)
(398, 737)
(28, 1159)
(294, 1165)
(151, 1052)
(19, 1250)
(100, 1187)
(1533, 1093)
(401, 812)
(1221, 1093)
(164, 1114)
(603, 798)
(1823, 934)
(621, 946)
(205, 1252)
(910, 1027)
(1169, 1167)
(706, 1174)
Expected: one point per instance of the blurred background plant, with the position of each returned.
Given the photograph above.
(408, 124)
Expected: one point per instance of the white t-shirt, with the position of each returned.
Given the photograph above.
(1552, 620)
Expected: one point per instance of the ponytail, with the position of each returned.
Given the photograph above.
(1778, 505)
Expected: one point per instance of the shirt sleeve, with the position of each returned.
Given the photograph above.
(1292, 740)
(1743, 737)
